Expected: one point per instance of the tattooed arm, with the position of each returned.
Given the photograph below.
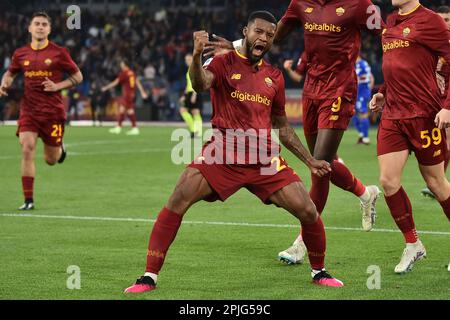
(292, 142)
(201, 79)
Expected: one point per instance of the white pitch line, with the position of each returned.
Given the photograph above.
(221, 223)
(76, 154)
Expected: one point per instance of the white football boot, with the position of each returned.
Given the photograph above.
(294, 254)
(412, 253)
(116, 130)
(369, 212)
(133, 132)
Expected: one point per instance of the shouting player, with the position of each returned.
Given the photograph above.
(128, 80)
(443, 78)
(332, 43)
(247, 94)
(414, 114)
(42, 112)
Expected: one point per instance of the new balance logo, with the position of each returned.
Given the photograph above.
(437, 153)
(334, 118)
(236, 76)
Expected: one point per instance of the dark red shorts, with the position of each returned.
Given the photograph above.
(226, 179)
(50, 131)
(418, 134)
(127, 101)
(326, 114)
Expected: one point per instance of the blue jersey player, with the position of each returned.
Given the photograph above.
(365, 85)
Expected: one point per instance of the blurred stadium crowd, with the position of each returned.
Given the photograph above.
(156, 38)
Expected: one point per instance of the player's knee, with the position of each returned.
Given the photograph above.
(130, 112)
(309, 213)
(51, 161)
(390, 185)
(435, 184)
(28, 150)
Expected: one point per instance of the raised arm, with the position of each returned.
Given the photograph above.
(283, 30)
(292, 142)
(201, 79)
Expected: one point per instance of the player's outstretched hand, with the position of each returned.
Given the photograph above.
(200, 40)
(49, 85)
(442, 119)
(287, 65)
(377, 102)
(217, 47)
(319, 167)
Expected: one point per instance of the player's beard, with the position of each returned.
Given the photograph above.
(252, 58)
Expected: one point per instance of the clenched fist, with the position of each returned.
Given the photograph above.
(201, 38)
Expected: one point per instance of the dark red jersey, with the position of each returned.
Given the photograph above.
(445, 72)
(52, 62)
(302, 65)
(127, 80)
(412, 45)
(332, 41)
(244, 98)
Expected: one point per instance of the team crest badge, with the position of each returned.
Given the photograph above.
(268, 81)
(406, 31)
(309, 10)
(26, 63)
(340, 11)
(48, 62)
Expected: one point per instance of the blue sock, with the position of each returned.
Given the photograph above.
(356, 123)
(364, 125)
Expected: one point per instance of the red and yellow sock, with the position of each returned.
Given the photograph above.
(401, 211)
(163, 233)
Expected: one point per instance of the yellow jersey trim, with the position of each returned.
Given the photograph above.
(244, 57)
(43, 47)
(406, 13)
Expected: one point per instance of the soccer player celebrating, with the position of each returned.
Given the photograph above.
(247, 94)
(192, 104)
(365, 85)
(332, 43)
(42, 112)
(128, 80)
(413, 116)
(443, 77)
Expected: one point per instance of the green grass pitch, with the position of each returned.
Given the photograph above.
(93, 212)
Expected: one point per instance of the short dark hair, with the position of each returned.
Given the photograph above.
(265, 15)
(41, 14)
(443, 9)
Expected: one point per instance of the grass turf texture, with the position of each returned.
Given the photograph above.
(111, 176)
